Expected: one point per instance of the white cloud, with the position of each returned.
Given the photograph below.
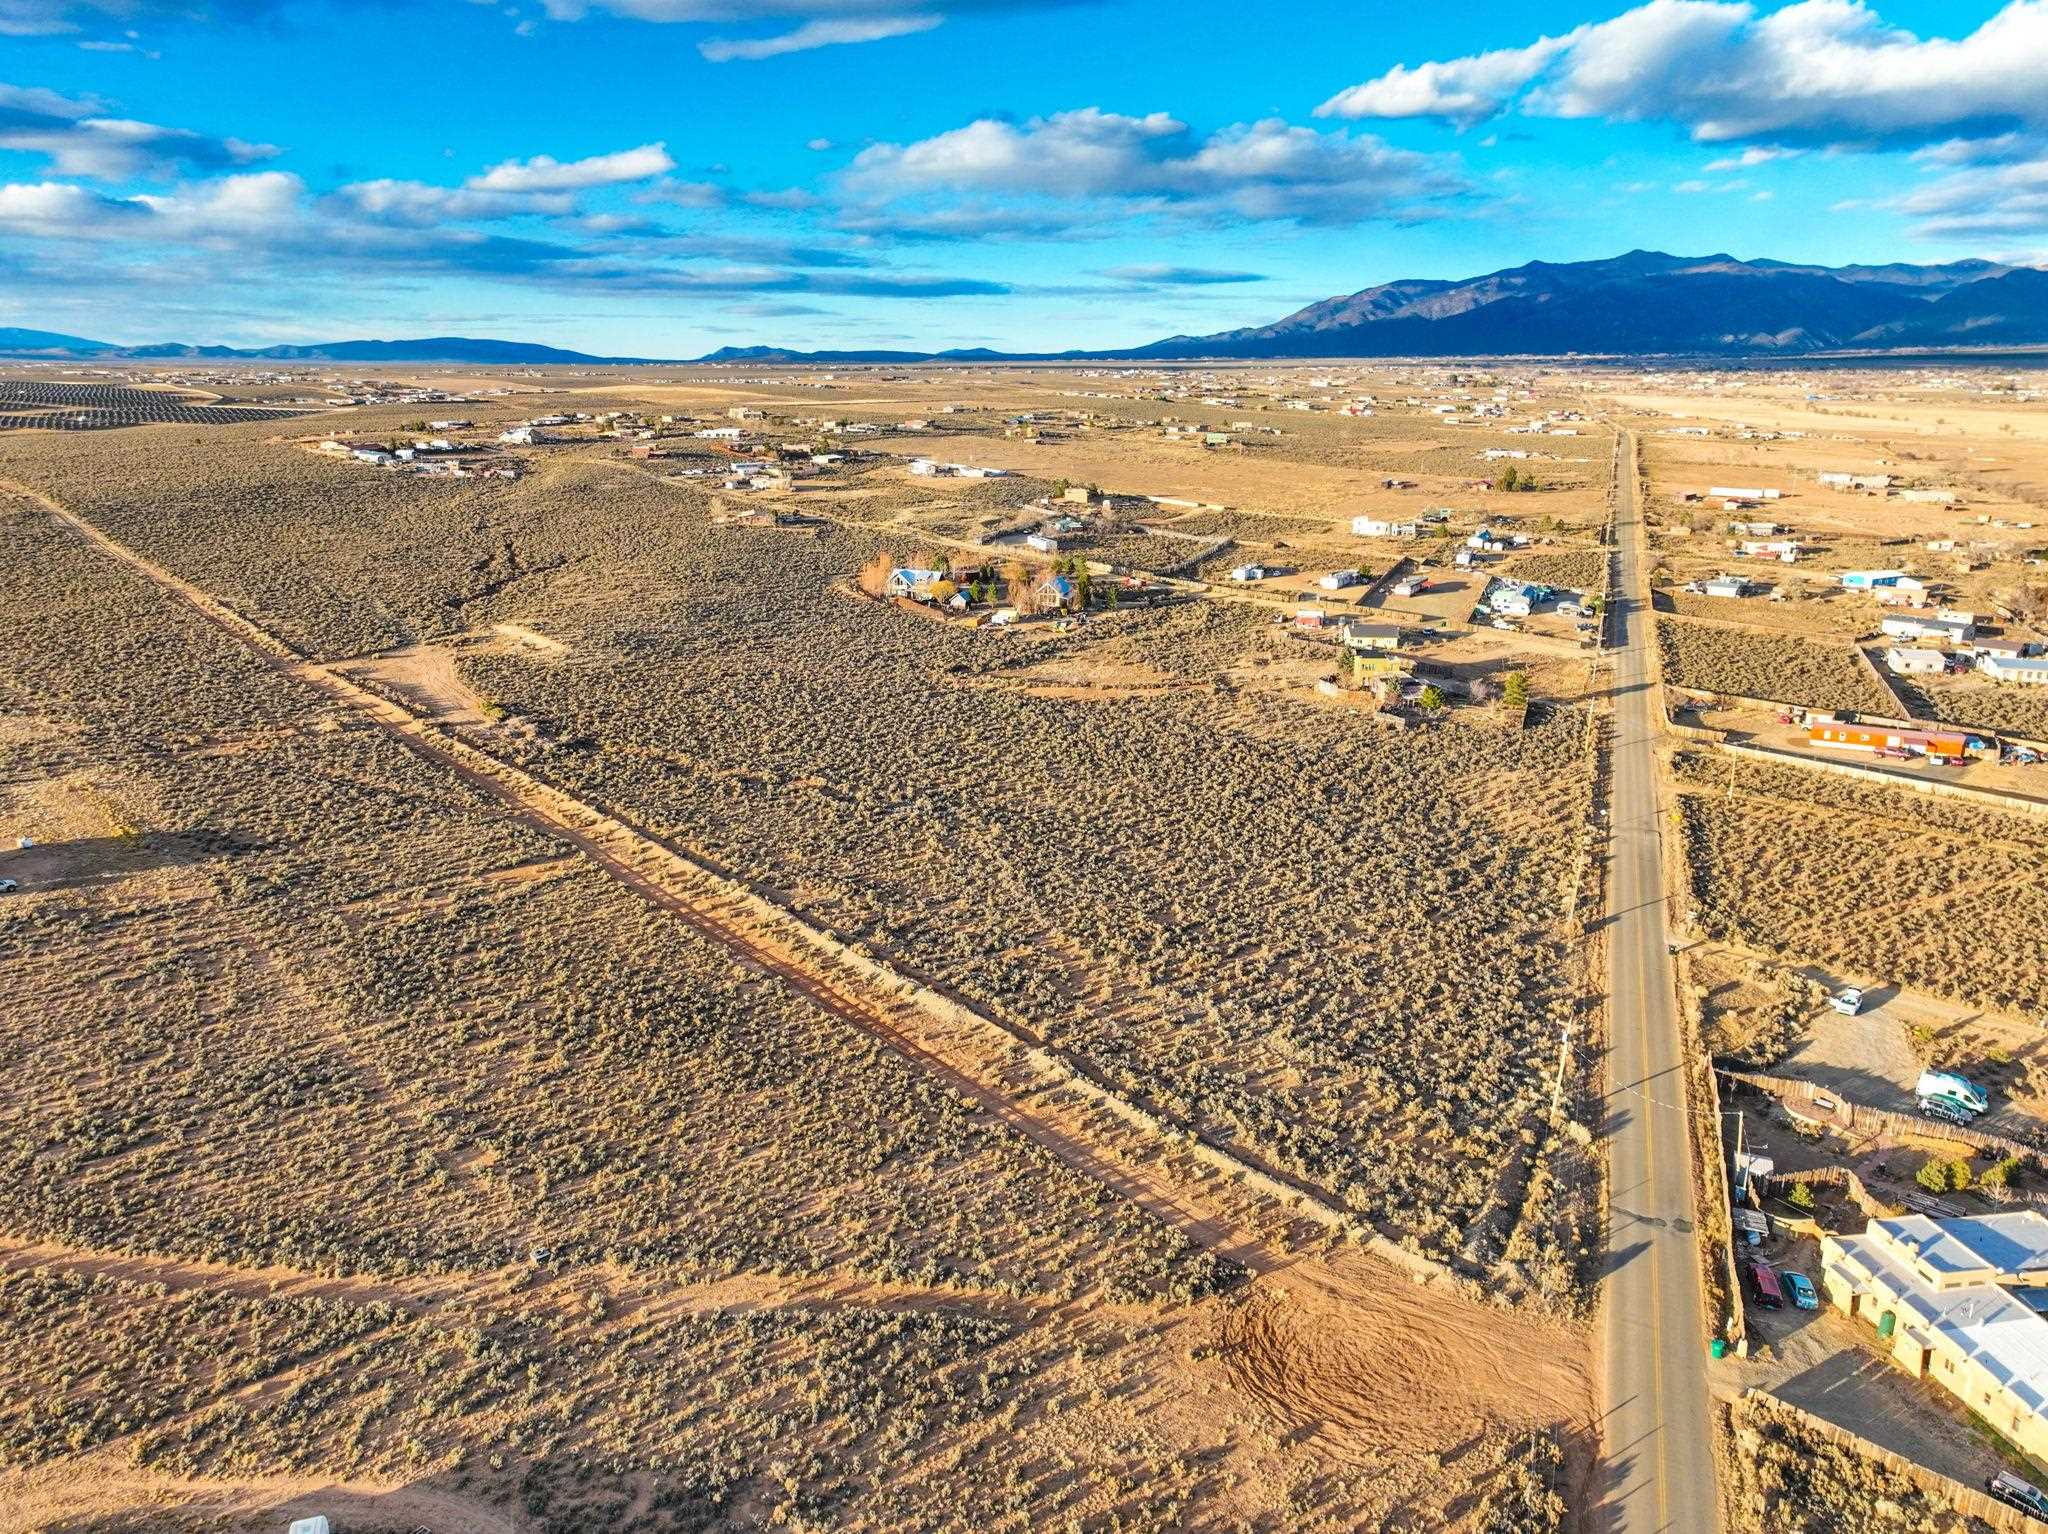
(1262, 170)
(78, 139)
(58, 210)
(816, 34)
(819, 23)
(543, 173)
(1755, 155)
(266, 224)
(422, 204)
(1982, 200)
(1464, 91)
(684, 194)
(1819, 71)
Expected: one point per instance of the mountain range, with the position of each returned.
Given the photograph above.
(1645, 303)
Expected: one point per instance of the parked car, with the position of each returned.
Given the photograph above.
(1848, 1001)
(1947, 1112)
(1803, 1293)
(2014, 1492)
(1953, 1091)
(1764, 1287)
(9, 886)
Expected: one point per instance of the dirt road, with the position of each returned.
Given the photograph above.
(1655, 1429)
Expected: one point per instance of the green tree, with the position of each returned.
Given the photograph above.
(2002, 1174)
(1432, 698)
(1508, 477)
(1801, 1196)
(1939, 1176)
(1515, 689)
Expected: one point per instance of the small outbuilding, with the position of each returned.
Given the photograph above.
(1909, 661)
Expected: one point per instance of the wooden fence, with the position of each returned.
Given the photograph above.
(1882, 680)
(1823, 1105)
(1717, 1189)
(1967, 1500)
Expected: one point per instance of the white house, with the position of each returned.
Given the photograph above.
(1785, 550)
(1380, 527)
(1369, 637)
(1248, 573)
(1753, 493)
(1726, 586)
(907, 582)
(1926, 625)
(1957, 1303)
(2007, 668)
(1841, 481)
(1513, 601)
(1873, 580)
(1906, 661)
(1337, 580)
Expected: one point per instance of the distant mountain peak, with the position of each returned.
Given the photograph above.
(1639, 303)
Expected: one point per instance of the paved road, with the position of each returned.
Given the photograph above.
(1656, 1438)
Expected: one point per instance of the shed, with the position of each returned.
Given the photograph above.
(1907, 661)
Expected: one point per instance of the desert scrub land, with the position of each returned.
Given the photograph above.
(2010, 709)
(1218, 902)
(364, 1137)
(1752, 663)
(1573, 569)
(1787, 1478)
(315, 871)
(1873, 882)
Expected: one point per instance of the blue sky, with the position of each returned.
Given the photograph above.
(659, 177)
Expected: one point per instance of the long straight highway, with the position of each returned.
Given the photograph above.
(1656, 1439)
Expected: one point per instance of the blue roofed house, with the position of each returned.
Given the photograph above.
(1059, 591)
(906, 582)
(1963, 1303)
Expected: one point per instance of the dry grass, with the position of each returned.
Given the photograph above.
(1754, 664)
(1789, 1479)
(312, 1010)
(1868, 880)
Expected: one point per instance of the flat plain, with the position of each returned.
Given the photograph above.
(556, 1011)
(729, 967)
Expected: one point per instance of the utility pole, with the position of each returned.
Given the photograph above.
(1564, 1045)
